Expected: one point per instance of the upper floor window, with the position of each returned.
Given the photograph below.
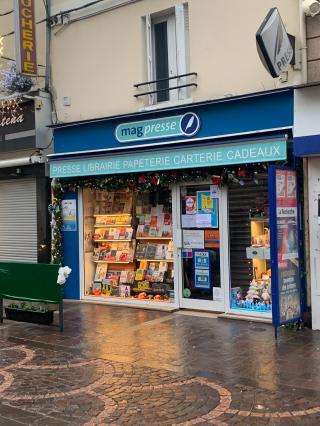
(167, 35)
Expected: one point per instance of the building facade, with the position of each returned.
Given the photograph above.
(25, 139)
(172, 154)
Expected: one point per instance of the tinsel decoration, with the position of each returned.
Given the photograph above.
(55, 210)
(12, 82)
(140, 183)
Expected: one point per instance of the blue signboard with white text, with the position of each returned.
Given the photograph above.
(206, 156)
(167, 127)
(202, 268)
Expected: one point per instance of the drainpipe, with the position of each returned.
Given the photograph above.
(48, 48)
(303, 44)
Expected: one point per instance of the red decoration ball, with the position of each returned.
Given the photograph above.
(242, 172)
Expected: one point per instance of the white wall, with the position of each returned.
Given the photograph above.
(306, 123)
(314, 193)
(307, 112)
(96, 61)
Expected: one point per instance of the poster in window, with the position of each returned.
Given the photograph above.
(207, 210)
(69, 215)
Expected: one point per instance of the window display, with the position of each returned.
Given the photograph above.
(250, 235)
(128, 245)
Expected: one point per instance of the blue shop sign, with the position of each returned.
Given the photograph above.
(236, 118)
(205, 156)
(168, 127)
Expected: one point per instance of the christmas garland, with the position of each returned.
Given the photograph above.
(140, 183)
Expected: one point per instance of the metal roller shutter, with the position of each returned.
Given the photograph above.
(241, 200)
(18, 220)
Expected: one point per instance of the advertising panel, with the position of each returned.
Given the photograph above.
(286, 280)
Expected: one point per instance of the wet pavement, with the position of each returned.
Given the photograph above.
(122, 366)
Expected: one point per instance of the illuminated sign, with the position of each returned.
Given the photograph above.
(167, 127)
(25, 37)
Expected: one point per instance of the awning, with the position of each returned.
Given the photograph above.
(171, 159)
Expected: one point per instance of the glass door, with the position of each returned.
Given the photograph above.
(202, 222)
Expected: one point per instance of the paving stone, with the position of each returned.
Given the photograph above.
(121, 366)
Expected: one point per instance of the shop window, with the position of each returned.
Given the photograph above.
(250, 246)
(128, 246)
(167, 36)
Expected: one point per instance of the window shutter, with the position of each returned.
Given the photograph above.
(182, 30)
(149, 55)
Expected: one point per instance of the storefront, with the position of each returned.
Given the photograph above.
(307, 145)
(24, 185)
(171, 208)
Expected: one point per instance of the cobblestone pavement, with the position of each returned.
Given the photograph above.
(124, 366)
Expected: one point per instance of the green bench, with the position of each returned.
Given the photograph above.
(31, 282)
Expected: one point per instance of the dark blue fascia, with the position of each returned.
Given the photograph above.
(305, 146)
(254, 114)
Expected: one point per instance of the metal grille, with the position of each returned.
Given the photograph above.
(18, 220)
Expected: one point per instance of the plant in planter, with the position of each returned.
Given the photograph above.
(27, 312)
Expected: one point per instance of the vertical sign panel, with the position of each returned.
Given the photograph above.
(25, 33)
(285, 261)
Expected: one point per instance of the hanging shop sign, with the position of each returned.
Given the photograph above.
(274, 45)
(25, 32)
(173, 159)
(168, 127)
(285, 235)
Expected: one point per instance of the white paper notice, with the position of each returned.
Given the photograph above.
(193, 239)
(203, 220)
(217, 294)
(188, 221)
(214, 191)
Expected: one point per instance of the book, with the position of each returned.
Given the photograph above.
(140, 251)
(139, 274)
(154, 221)
(124, 290)
(147, 219)
(169, 254)
(96, 254)
(167, 231)
(153, 232)
(101, 271)
(151, 251)
(161, 251)
(140, 231)
(167, 219)
(163, 267)
(143, 264)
